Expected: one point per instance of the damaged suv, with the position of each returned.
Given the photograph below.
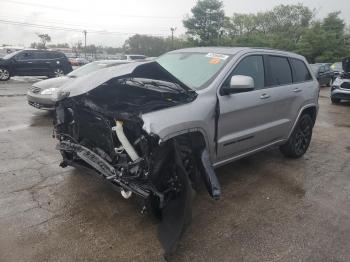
(159, 129)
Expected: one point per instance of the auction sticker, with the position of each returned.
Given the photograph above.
(217, 56)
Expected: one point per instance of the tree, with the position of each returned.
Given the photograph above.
(76, 48)
(325, 41)
(207, 21)
(146, 45)
(280, 27)
(59, 45)
(44, 38)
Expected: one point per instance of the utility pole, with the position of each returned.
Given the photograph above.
(85, 32)
(172, 29)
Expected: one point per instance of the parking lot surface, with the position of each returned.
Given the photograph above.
(272, 208)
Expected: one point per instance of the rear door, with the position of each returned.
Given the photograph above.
(303, 86)
(323, 76)
(41, 63)
(286, 94)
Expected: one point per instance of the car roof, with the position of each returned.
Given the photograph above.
(235, 50)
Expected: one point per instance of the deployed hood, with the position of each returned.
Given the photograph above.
(346, 65)
(149, 70)
(53, 82)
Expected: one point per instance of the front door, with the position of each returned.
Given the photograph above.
(256, 118)
(24, 64)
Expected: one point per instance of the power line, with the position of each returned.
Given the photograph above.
(59, 8)
(56, 22)
(68, 29)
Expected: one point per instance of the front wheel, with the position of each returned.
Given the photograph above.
(4, 74)
(335, 100)
(58, 72)
(300, 139)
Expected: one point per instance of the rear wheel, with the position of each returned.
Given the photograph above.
(300, 139)
(330, 82)
(335, 100)
(4, 74)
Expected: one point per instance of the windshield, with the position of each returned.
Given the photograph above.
(10, 55)
(315, 68)
(193, 69)
(337, 66)
(91, 67)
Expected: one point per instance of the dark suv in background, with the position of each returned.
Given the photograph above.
(34, 63)
(323, 73)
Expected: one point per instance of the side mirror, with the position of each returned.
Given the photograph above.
(239, 84)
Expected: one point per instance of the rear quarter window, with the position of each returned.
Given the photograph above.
(280, 71)
(301, 72)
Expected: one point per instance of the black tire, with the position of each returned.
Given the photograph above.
(335, 100)
(300, 139)
(4, 74)
(57, 72)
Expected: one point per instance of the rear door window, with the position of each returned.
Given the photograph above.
(280, 71)
(301, 73)
(40, 55)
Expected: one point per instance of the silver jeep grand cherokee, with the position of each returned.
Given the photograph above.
(159, 129)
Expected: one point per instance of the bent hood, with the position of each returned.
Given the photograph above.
(149, 70)
(53, 82)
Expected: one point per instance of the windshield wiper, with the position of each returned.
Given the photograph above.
(157, 84)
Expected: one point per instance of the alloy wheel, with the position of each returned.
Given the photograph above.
(303, 136)
(4, 74)
(58, 72)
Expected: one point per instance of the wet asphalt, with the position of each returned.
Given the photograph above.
(272, 208)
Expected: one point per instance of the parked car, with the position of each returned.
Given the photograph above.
(164, 125)
(78, 61)
(39, 94)
(323, 73)
(337, 69)
(341, 86)
(34, 63)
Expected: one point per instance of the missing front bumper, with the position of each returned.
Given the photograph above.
(104, 169)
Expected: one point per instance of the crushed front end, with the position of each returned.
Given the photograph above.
(102, 130)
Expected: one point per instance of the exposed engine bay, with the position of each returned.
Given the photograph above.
(103, 130)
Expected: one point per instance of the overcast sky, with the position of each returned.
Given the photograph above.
(116, 20)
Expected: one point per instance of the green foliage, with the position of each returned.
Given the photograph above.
(286, 27)
(206, 22)
(151, 45)
(325, 41)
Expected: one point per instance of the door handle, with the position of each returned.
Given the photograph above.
(29, 62)
(296, 90)
(264, 96)
(47, 62)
